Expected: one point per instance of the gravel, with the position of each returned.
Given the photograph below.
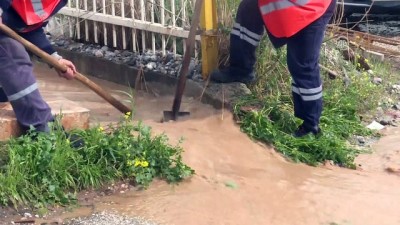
(385, 25)
(167, 64)
(105, 218)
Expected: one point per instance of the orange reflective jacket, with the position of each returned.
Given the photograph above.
(34, 12)
(284, 18)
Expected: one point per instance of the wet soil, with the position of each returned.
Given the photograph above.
(239, 181)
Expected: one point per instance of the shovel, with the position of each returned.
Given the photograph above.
(54, 62)
(174, 114)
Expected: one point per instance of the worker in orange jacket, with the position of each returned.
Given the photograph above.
(299, 24)
(17, 81)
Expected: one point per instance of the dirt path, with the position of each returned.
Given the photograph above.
(241, 182)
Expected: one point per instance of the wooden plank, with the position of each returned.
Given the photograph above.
(104, 24)
(86, 22)
(127, 22)
(173, 25)
(96, 37)
(133, 29)
(184, 18)
(71, 29)
(143, 18)
(114, 31)
(77, 22)
(123, 28)
(153, 37)
(163, 43)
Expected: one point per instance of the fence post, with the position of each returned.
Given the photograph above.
(209, 41)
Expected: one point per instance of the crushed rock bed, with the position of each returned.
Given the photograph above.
(105, 218)
(167, 64)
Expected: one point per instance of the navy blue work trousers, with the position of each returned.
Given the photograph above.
(20, 87)
(303, 53)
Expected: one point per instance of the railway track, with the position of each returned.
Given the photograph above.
(390, 47)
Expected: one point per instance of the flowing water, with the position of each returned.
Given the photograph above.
(239, 181)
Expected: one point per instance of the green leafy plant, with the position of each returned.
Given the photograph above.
(271, 117)
(45, 169)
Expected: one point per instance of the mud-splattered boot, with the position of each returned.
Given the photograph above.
(304, 130)
(228, 76)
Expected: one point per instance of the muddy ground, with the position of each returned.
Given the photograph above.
(237, 181)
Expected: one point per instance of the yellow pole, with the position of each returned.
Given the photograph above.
(209, 41)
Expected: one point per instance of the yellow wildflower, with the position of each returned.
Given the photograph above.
(141, 163)
(137, 163)
(127, 115)
(145, 164)
(101, 129)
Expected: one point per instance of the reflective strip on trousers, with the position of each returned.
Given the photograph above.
(282, 4)
(23, 93)
(309, 91)
(311, 94)
(246, 35)
(253, 35)
(37, 6)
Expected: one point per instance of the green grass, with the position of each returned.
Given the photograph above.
(49, 171)
(273, 122)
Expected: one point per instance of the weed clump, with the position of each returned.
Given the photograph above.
(267, 115)
(48, 170)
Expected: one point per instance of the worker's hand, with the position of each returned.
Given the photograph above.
(71, 71)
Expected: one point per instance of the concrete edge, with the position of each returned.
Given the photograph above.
(126, 75)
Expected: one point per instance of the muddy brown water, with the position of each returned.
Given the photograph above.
(239, 181)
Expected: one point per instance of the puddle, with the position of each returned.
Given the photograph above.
(239, 181)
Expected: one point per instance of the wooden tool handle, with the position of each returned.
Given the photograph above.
(57, 65)
(190, 44)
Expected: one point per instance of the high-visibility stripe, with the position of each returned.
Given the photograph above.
(308, 98)
(249, 33)
(37, 6)
(313, 97)
(309, 90)
(23, 93)
(282, 4)
(245, 37)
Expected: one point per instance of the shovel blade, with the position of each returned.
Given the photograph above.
(169, 115)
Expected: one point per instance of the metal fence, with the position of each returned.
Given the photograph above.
(137, 25)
